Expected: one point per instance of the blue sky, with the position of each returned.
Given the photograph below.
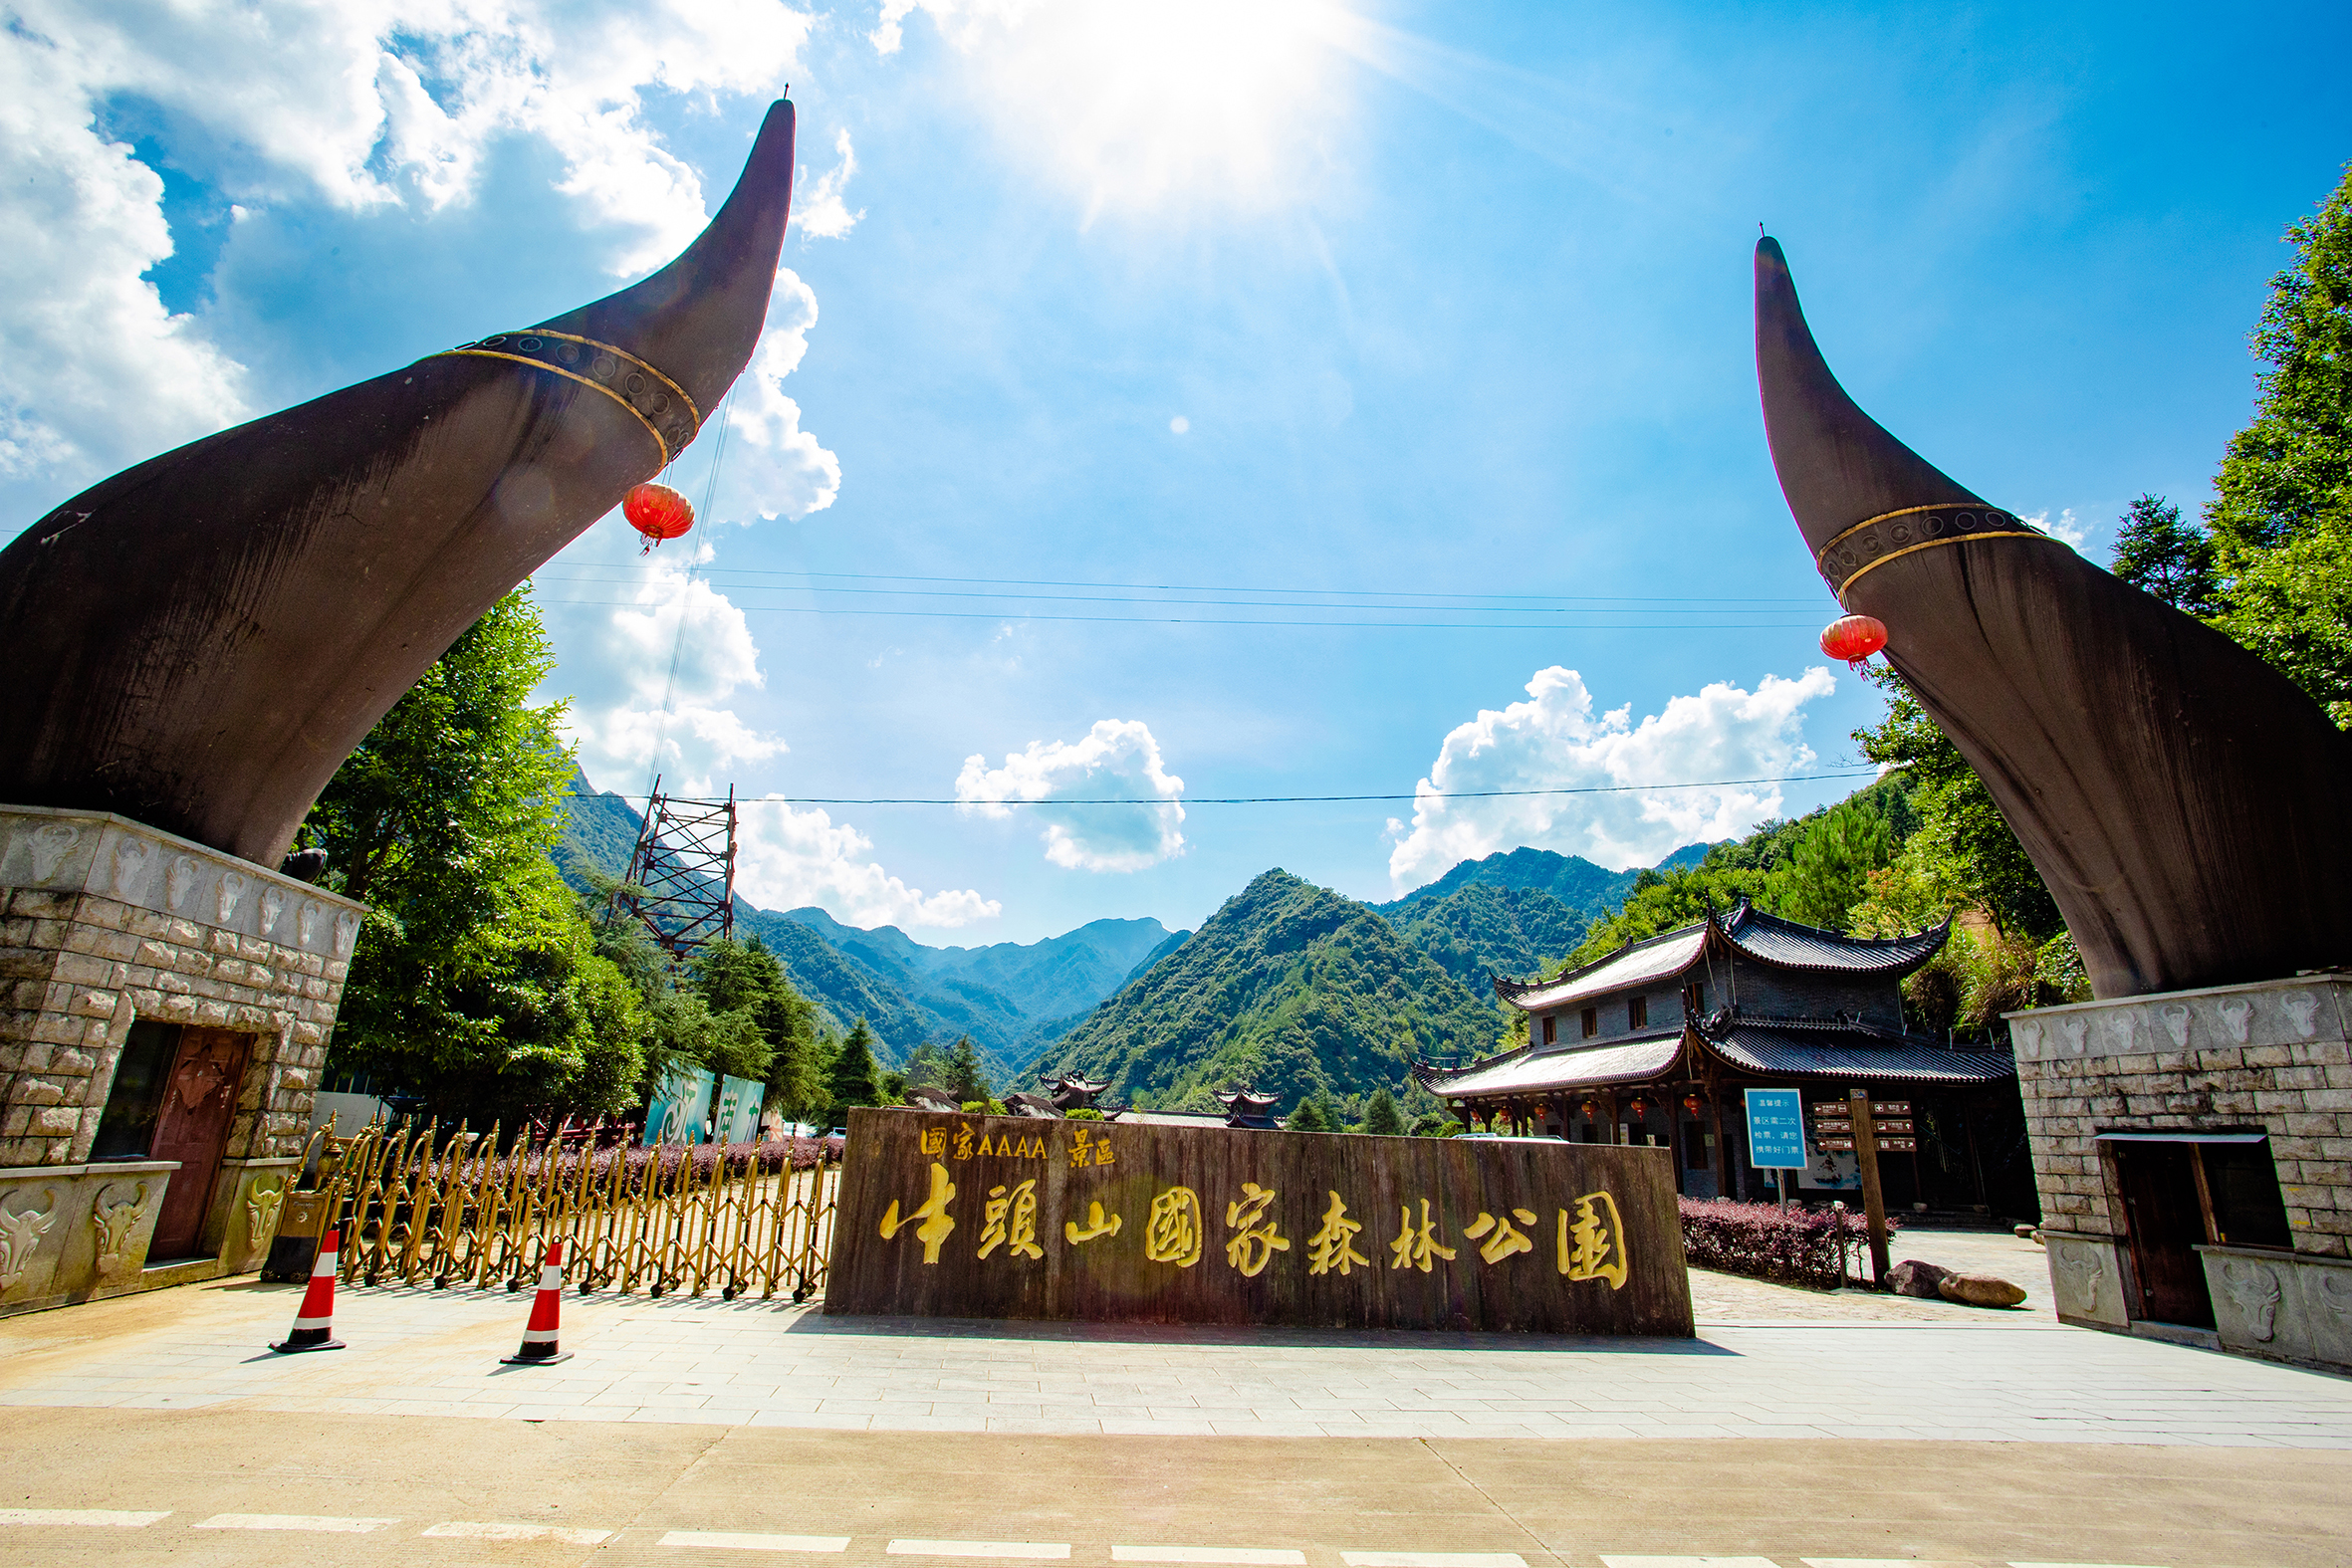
(1434, 318)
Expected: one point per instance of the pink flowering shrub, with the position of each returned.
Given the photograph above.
(1804, 1246)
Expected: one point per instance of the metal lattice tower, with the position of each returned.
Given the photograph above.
(684, 870)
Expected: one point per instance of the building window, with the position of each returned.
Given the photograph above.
(126, 1129)
(1551, 1029)
(1637, 1013)
(1591, 1022)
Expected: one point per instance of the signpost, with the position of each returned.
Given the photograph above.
(1857, 1124)
(1776, 1134)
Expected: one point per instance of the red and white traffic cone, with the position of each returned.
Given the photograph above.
(314, 1323)
(539, 1336)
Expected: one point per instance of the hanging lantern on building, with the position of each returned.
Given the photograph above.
(1692, 1103)
(1591, 1108)
(1640, 1108)
(1855, 638)
(657, 512)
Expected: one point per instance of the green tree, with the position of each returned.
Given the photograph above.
(745, 978)
(1308, 1117)
(1963, 852)
(1381, 1115)
(476, 981)
(927, 1066)
(967, 1079)
(2281, 515)
(851, 1079)
(1827, 870)
(2157, 550)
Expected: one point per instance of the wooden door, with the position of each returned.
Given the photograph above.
(199, 1103)
(2165, 1222)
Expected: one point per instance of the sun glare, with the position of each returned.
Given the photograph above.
(1143, 101)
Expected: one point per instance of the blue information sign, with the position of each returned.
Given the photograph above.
(1776, 1130)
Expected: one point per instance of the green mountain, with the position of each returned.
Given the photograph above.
(1480, 930)
(1047, 979)
(1012, 999)
(1573, 881)
(1289, 987)
(598, 830)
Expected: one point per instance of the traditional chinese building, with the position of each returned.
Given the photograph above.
(1655, 1043)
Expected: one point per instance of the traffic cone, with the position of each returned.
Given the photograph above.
(539, 1336)
(314, 1323)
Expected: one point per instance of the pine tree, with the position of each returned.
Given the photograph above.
(967, 1079)
(1380, 1116)
(852, 1081)
(2157, 550)
(1308, 1117)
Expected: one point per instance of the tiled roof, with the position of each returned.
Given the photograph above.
(1784, 941)
(1522, 1073)
(1659, 957)
(1832, 1052)
(1766, 938)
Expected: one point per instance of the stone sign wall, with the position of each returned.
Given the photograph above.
(1029, 1218)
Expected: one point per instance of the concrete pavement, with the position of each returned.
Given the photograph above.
(688, 1431)
(418, 1352)
(250, 1487)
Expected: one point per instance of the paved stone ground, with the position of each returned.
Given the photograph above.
(238, 1487)
(156, 1430)
(1770, 1362)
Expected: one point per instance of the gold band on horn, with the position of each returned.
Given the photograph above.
(1873, 542)
(659, 403)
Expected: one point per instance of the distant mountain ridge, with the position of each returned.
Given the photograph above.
(1291, 985)
(1572, 879)
(1012, 999)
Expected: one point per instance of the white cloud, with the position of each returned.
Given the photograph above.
(1117, 759)
(356, 104)
(786, 857)
(818, 209)
(2066, 529)
(1554, 741)
(104, 372)
(772, 465)
(621, 658)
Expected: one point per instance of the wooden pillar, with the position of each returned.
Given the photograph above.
(1723, 1144)
(1874, 1203)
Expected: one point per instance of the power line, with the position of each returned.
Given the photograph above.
(1190, 588)
(1212, 620)
(1283, 800)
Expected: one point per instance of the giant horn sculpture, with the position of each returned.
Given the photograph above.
(199, 641)
(2183, 802)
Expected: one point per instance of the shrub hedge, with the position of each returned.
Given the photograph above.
(1803, 1247)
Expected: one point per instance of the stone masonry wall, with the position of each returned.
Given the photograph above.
(2271, 1057)
(106, 921)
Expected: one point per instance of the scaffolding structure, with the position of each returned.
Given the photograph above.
(681, 877)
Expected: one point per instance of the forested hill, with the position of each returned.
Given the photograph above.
(1012, 999)
(1289, 987)
(1573, 881)
(1480, 931)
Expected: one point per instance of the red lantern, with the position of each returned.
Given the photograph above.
(1692, 1103)
(658, 513)
(1855, 638)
